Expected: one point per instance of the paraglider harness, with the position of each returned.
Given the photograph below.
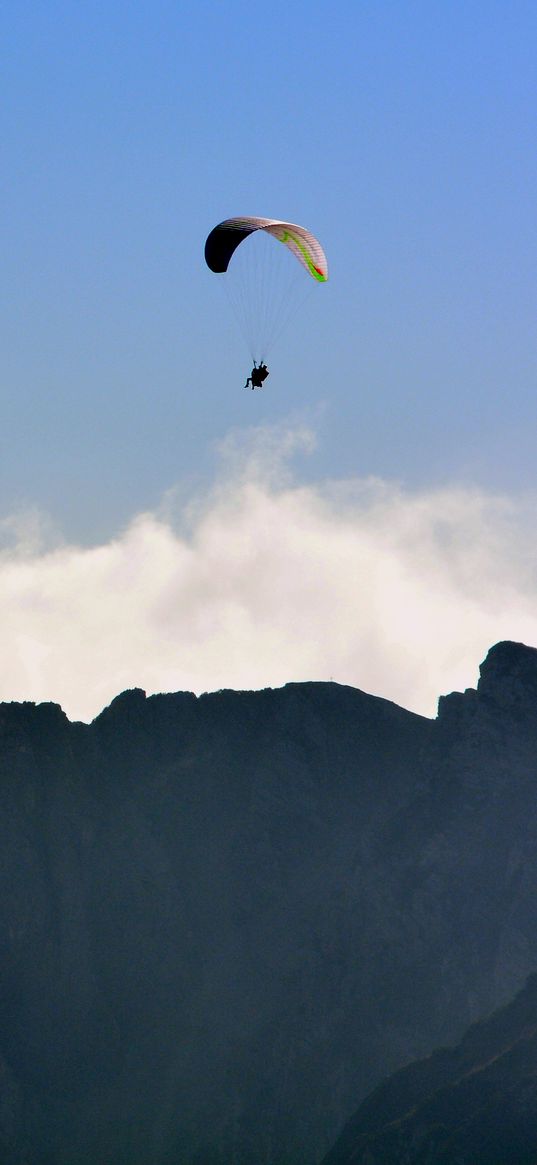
(257, 375)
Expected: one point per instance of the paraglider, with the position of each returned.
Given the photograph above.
(263, 291)
(257, 376)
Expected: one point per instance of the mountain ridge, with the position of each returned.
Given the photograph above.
(473, 1104)
(228, 916)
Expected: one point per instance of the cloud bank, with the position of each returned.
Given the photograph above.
(261, 580)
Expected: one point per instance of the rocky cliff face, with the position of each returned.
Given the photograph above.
(224, 919)
(475, 1104)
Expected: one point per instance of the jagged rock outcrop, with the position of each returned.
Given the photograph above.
(225, 918)
(475, 1104)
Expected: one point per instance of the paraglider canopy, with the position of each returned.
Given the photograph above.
(225, 238)
(264, 284)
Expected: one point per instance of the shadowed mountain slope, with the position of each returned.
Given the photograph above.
(475, 1104)
(224, 919)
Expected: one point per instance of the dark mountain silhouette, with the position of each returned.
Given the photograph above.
(475, 1104)
(224, 919)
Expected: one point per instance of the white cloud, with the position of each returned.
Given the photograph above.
(264, 580)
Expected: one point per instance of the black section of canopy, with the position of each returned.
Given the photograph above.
(221, 244)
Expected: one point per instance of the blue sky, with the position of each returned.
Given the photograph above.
(403, 134)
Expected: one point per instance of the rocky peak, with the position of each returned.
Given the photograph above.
(507, 687)
(508, 678)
